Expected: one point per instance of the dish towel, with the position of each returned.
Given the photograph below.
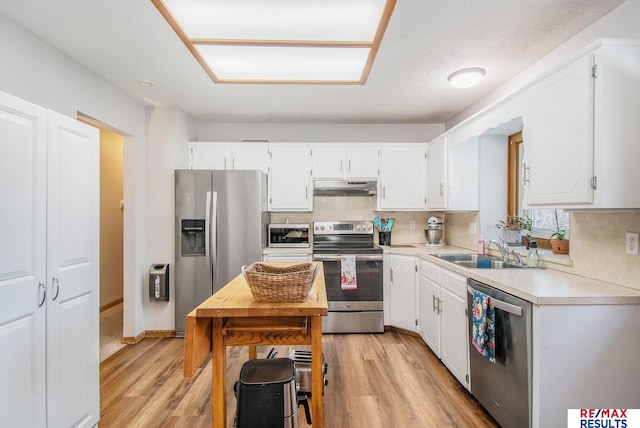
(348, 279)
(483, 335)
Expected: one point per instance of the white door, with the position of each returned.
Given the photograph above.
(23, 170)
(73, 272)
(453, 338)
(209, 156)
(402, 178)
(362, 162)
(436, 175)
(328, 162)
(290, 179)
(558, 137)
(403, 292)
(430, 313)
(251, 156)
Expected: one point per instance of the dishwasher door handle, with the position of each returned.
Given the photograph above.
(499, 304)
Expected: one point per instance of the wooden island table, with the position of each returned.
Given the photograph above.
(231, 317)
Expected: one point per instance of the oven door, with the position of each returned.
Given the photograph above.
(367, 295)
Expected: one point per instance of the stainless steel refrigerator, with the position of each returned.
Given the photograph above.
(221, 224)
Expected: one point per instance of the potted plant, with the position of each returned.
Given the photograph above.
(560, 245)
(513, 227)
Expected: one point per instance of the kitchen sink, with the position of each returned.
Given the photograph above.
(470, 260)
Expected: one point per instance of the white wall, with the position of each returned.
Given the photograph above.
(169, 131)
(320, 132)
(34, 71)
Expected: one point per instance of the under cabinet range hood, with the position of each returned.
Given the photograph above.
(344, 187)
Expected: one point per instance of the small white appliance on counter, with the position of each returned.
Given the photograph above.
(435, 231)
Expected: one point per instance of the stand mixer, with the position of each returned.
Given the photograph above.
(434, 231)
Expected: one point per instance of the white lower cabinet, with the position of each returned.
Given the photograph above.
(49, 268)
(401, 291)
(442, 319)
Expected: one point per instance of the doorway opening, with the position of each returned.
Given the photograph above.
(111, 239)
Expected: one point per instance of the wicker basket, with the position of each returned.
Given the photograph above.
(271, 284)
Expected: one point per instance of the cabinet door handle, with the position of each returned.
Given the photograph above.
(441, 189)
(349, 164)
(384, 192)
(341, 166)
(391, 274)
(54, 281)
(233, 163)
(525, 174)
(435, 307)
(42, 289)
(439, 306)
(306, 192)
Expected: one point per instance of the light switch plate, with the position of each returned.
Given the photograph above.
(472, 228)
(631, 246)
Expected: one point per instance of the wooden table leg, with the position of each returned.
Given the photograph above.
(253, 352)
(218, 396)
(316, 372)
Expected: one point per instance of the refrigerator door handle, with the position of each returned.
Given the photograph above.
(207, 236)
(212, 218)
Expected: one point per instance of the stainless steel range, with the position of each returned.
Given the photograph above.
(351, 309)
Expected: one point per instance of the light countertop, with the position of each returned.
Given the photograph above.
(283, 250)
(538, 286)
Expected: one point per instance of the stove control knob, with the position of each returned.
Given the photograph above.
(321, 227)
(358, 227)
(317, 228)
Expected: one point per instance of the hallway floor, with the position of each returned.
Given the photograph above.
(111, 331)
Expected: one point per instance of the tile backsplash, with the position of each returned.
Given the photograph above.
(597, 244)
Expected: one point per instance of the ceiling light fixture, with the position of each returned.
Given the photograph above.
(466, 77)
(281, 41)
(145, 82)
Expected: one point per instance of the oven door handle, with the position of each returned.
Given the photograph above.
(499, 304)
(338, 257)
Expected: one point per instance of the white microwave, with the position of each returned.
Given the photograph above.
(289, 235)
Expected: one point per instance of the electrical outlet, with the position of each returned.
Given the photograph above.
(412, 224)
(631, 246)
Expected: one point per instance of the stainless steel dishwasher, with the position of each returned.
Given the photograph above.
(504, 387)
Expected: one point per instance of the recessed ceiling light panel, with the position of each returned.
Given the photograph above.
(282, 63)
(257, 41)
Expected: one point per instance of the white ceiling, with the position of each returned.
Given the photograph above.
(426, 40)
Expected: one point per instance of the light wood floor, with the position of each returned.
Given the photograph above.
(375, 380)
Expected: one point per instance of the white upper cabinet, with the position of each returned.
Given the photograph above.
(453, 173)
(437, 175)
(402, 184)
(463, 175)
(581, 131)
(290, 187)
(345, 161)
(238, 156)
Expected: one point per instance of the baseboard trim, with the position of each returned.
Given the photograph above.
(111, 304)
(160, 333)
(148, 333)
(129, 340)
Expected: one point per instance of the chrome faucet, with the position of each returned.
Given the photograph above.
(517, 256)
(503, 247)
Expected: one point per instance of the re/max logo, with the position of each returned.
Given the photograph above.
(603, 413)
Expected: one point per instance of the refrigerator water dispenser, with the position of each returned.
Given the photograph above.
(192, 242)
